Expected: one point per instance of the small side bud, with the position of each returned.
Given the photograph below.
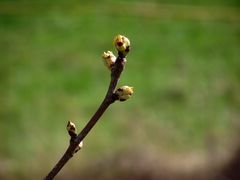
(71, 128)
(122, 44)
(123, 93)
(109, 59)
(79, 147)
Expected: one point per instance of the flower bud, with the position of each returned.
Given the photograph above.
(78, 147)
(122, 44)
(71, 128)
(109, 59)
(123, 93)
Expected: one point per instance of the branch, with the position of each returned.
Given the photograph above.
(116, 65)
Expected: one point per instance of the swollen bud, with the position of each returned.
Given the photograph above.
(122, 44)
(78, 147)
(123, 93)
(71, 128)
(109, 59)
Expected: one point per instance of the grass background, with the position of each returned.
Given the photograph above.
(184, 67)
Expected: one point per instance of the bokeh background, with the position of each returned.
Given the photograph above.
(184, 66)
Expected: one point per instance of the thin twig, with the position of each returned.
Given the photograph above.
(109, 99)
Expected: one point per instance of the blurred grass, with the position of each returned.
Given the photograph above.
(184, 66)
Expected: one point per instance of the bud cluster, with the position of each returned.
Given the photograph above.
(122, 44)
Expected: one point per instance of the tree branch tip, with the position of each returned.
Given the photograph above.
(122, 44)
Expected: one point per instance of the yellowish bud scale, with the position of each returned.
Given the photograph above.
(122, 44)
(109, 59)
(124, 92)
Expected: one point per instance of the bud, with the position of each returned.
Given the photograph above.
(78, 147)
(122, 44)
(71, 128)
(123, 93)
(109, 59)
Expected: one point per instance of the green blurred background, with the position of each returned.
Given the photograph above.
(184, 66)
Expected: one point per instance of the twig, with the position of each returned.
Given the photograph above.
(111, 96)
